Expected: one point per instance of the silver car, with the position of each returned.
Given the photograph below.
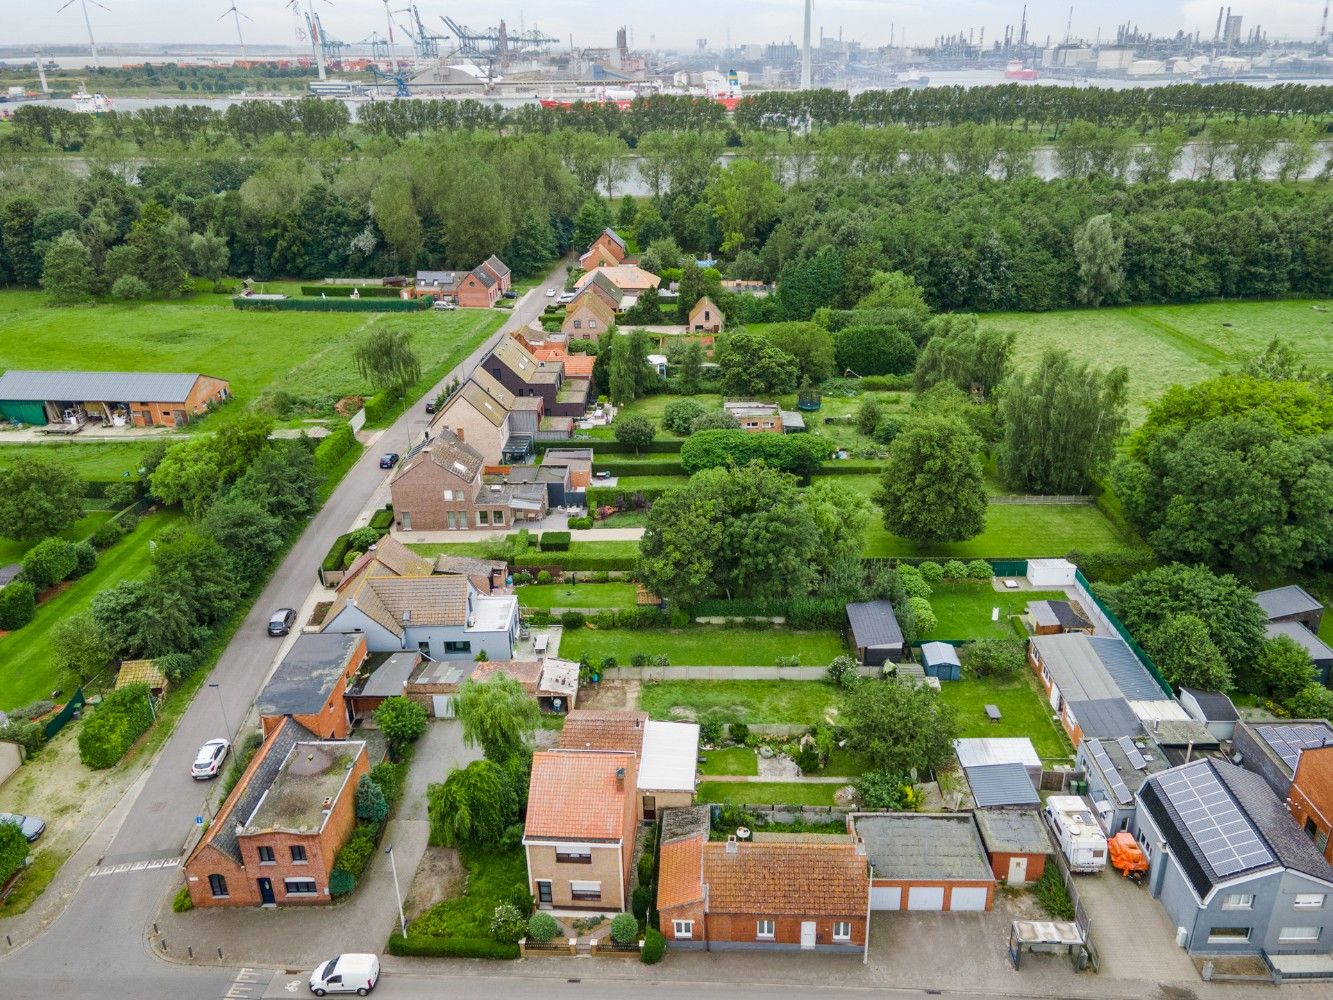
(209, 759)
(32, 826)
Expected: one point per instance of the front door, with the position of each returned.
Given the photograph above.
(807, 934)
(1018, 871)
(266, 897)
(543, 892)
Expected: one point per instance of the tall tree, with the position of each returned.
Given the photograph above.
(809, 344)
(1187, 655)
(932, 490)
(750, 365)
(901, 726)
(209, 257)
(67, 271)
(1100, 256)
(38, 498)
(473, 806)
(959, 351)
(497, 716)
(386, 360)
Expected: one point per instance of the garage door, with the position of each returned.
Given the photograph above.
(886, 898)
(442, 705)
(925, 897)
(967, 898)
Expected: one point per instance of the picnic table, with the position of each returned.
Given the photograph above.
(993, 713)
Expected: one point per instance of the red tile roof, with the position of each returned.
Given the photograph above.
(593, 729)
(680, 872)
(804, 878)
(578, 796)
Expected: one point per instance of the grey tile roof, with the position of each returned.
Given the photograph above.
(1105, 717)
(484, 276)
(279, 745)
(1267, 812)
(1282, 601)
(1001, 785)
(615, 238)
(1216, 706)
(1303, 637)
(444, 281)
(497, 265)
(120, 387)
(1013, 831)
(307, 675)
(923, 846)
(874, 624)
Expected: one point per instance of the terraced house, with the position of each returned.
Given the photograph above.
(518, 370)
(490, 418)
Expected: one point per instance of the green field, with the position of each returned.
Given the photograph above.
(583, 595)
(730, 760)
(751, 702)
(964, 610)
(1163, 345)
(307, 354)
(1013, 530)
(1025, 712)
(100, 460)
(27, 666)
(704, 645)
(769, 793)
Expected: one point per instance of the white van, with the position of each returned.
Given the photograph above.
(345, 974)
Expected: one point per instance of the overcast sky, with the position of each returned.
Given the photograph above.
(671, 23)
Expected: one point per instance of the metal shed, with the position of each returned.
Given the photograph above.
(941, 660)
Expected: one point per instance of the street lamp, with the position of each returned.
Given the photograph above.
(225, 724)
(402, 919)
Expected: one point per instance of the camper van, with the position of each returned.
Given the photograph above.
(1080, 836)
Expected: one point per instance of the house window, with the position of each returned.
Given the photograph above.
(458, 647)
(587, 892)
(764, 930)
(573, 857)
(499, 517)
(483, 517)
(448, 494)
(1238, 901)
(300, 886)
(592, 324)
(682, 930)
(842, 930)
(1228, 935)
(1295, 934)
(266, 856)
(217, 885)
(578, 324)
(1309, 900)
(298, 854)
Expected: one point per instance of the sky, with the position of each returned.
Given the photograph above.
(668, 23)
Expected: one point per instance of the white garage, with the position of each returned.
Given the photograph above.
(925, 897)
(926, 861)
(889, 897)
(968, 898)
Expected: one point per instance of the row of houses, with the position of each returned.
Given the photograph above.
(479, 288)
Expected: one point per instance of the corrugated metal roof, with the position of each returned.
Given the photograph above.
(670, 756)
(996, 750)
(874, 624)
(1096, 667)
(1001, 785)
(120, 387)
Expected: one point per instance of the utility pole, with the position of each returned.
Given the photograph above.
(806, 74)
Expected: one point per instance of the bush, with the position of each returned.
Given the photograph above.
(931, 572)
(371, 804)
(841, 672)
(993, 657)
(181, 902)
(18, 604)
(176, 667)
(341, 883)
(640, 900)
(1115, 566)
(122, 717)
(544, 576)
(572, 619)
(801, 454)
(624, 929)
(579, 523)
(29, 735)
(955, 569)
(1052, 895)
(788, 661)
(508, 924)
(355, 855)
(710, 730)
(107, 535)
(740, 732)
(639, 659)
(914, 584)
(679, 417)
(130, 288)
(437, 947)
(645, 868)
(382, 520)
(979, 569)
(540, 618)
(554, 541)
(122, 493)
(654, 947)
(363, 538)
(542, 928)
(402, 721)
(49, 562)
(923, 614)
(1314, 701)
(390, 777)
(333, 560)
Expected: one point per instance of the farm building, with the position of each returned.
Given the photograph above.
(114, 399)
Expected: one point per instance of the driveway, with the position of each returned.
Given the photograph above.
(1133, 934)
(440, 751)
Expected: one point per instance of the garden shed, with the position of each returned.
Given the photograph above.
(1045, 574)
(876, 635)
(939, 659)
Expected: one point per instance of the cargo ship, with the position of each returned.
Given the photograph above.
(726, 92)
(1017, 71)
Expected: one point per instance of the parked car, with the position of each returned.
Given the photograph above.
(353, 973)
(444, 304)
(388, 460)
(511, 294)
(601, 475)
(430, 406)
(281, 621)
(208, 761)
(550, 293)
(565, 299)
(32, 826)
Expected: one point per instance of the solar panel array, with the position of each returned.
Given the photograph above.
(1288, 741)
(1222, 833)
(1118, 786)
(1132, 754)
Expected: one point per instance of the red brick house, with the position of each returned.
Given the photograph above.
(777, 892)
(607, 249)
(501, 271)
(479, 289)
(518, 370)
(274, 839)
(1311, 797)
(309, 684)
(475, 289)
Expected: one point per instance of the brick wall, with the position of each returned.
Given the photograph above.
(999, 864)
(690, 911)
(741, 928)
(1311, 796)
(473, 293)
(606, 868)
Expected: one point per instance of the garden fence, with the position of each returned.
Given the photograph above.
(59, 721)
(1080, 913)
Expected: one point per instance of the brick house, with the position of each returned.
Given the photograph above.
(667, 753)
(1311, 796)
(607, 249)
(756, 418)
(114, 399)
(706, 317)
(479, 289)
(589, 315)
(481, 413)
(438, 487)
(925, 861)
(309, 684)
(519, 371)
(274, 840)
(475, 289)
(501, 271)
(777, 892)
(579, 833)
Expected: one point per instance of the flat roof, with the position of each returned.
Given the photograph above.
(670, 756)
(1013, 831)
(1215, 705)
(493, 613)
(996, 750)
(308, 673)
(928, 846)
(312, 773)
(390, 677)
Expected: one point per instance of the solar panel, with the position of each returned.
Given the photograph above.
(1221, 832)
(1288, 741)
(1118, 786)
(1132, 754)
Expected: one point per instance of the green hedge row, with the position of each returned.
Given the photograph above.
(345, 291)
(621, 499)
(438, 947)
(123, 716)
(640, 468)
(382, 520)
(577, 562)
(608, 446)
(554, 541)
(332, 449)
(331, 305)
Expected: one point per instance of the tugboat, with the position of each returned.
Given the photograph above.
(1017, 71)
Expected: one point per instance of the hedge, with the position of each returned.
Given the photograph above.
(329, 451)
(337, 552)
(608, 446)
(345, 291)
(654, 946)
(123, 716)
(379, 406)
(554, 541)
(18, 604)
(331, 305)
(640, 468)
(438, 947)
(13, 850)
(382, 520)
(622, 499)
(802, 454)
(576, 562)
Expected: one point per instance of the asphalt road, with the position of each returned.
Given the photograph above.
(96, 947)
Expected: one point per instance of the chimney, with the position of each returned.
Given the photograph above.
(328, 803)
(620, 778)
(732, 846)
(458, 431)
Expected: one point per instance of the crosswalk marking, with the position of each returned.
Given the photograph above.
(135, 866)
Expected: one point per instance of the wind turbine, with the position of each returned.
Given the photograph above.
(92, 42)
(236, 13)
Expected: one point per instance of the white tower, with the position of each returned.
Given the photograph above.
(805, 48)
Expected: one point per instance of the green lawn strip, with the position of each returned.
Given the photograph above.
(730, 760)
(491, 877)
(1014, 531)
(964, 610)
(623, 519)
(704, 646)
(12, 551)
(1024, 711)
(583, 595)
(33, 882)
(96, 460)
(845, 764)
(27, 665)
(751, 702)
(768, 793)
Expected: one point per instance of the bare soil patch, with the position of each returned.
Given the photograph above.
(440, 876)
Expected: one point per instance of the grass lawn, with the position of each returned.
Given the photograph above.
(1163, 345)
(27, 664)
(751, 702)
(12, 551)
(768, 793)
(1014, 530)
(845, 763)
(583, 595)
(623, 519)
(491, 877)
(652, 407)
(1025, 712)
(704, 645)
(307, 354)
(730, 760)
(964, 610)
(101, 460)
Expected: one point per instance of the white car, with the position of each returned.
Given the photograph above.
(565, 299)
(208, 761)
(352, 973)
(550, 293)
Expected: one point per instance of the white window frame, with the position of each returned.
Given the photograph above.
(1215, 938)
(682, 930)
(1238, 901)
(1298, 935)
(587, 888)
(1308, 901)
(287, 886)
(765, 930)
(842, 930)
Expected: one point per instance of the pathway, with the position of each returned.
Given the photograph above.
(804, 779)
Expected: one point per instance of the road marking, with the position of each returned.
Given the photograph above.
(153, 864)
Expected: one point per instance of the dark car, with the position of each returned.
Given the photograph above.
(430, 406)
(388, 460)
(31, 826)
(510, 295)
(281, 621)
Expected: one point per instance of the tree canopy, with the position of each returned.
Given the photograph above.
(932, 489)
(38, 498)
(901, 726)
(498, 716)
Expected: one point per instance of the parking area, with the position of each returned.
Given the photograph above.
(1132, 932)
